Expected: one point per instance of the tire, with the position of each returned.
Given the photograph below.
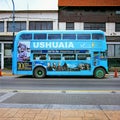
(99, 73)
(39, 72)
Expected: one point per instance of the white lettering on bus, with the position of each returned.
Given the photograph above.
(53, 45)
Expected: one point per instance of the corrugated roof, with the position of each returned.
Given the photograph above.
(88, 3)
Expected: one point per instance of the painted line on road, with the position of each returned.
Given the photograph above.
(62, 91)
(6, 96)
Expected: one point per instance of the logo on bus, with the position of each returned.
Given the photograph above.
(53, 45)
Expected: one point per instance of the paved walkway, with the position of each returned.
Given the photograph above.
(57, 114)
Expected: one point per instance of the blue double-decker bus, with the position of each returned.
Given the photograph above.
(59, 52)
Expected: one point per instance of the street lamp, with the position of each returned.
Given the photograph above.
(13, 17)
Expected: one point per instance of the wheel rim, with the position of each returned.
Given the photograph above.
(39, 73)
(99, 74)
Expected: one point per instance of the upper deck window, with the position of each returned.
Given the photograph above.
(97, 36)
(54, 36)
(83, 36)
(69, 36)
(26, 36)
(40, 36)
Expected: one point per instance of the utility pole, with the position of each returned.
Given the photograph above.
(13, 17)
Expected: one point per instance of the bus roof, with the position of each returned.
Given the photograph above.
(60, 31)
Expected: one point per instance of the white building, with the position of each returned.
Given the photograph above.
(33, 17)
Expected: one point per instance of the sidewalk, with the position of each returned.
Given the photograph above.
(6, 73)
(57, 114)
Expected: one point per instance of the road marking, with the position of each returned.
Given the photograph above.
(62, 91)
(6, 96)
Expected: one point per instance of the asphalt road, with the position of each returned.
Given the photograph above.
(58, 83)
(76, 93)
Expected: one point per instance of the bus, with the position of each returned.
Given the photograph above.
(60, 53)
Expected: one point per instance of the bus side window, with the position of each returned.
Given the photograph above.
(69, 36)
(83, 36)
(39, 57)
(26, 36)
(88, 56)
(40, 36)
(103, 55)
(83, 56)
(54, 56)
(69, 56)
(97, 36)
(54, 36)
(96, 55)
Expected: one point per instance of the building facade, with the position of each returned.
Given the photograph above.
(94, 15)
(24, 20)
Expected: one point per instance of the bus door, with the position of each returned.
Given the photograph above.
(103, 59)
(99, 58)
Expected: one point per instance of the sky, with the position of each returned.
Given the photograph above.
(29, 5)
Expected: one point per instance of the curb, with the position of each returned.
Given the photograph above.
(10, 74)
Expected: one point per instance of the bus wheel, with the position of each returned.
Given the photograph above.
(39, 72)
(99, 73)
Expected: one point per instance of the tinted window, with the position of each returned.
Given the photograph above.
(40, 25)
(40, 36)
(1, 26)
(95, 26)
(117, 27)
(83, 56)
(39, 57)
(83, 36)
(26, 36)
(69, 57)
(19, 25)
(54, 56)
(69, 25)
(69, 36)
(54, 36)
(97, 36)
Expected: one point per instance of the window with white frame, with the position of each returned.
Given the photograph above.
(114, 50)
(110, 50)
(7, 55)
(40, 25)
(69, 25)
(117, 50)
(7, 49)
(0, 61)
(94, 26)
(117, 27)
(19, 25)
(0, 55)
(1, 26)
(0, 47)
